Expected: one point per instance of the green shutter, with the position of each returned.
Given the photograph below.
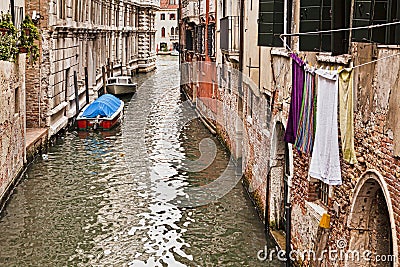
(361, 17)
(270, 22)
(381, 14)
(315, 15)
(340, 20)
(369, 12)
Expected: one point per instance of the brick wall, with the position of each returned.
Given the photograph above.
(12, 121)
(377, 128)
(36, 80)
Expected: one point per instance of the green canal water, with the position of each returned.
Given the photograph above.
(107, 199)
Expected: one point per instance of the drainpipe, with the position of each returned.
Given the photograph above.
(12, 5)
(206, 29)
(288, 211)
(179, 34)
(241, 47)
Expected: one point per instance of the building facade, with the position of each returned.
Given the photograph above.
(253, 78)
(166, 24)
(12, 122)
(84, 41)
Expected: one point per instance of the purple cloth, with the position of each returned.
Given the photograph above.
(296, 99)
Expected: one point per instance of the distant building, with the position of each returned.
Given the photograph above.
(166, 24)
(117, 36)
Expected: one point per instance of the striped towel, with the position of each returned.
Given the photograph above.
(306, 129)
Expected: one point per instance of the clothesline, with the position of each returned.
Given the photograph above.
(373, 61)
(357, 66)
(339, 30)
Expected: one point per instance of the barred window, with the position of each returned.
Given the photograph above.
(323, 192)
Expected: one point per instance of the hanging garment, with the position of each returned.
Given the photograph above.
(346, 115)
(306, 129)
(325, 163)
(296, 99)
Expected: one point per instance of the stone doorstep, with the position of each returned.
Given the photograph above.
(279, 238)
(33, 135)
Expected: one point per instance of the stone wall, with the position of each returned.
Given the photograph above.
(12, 121)
(79, 34)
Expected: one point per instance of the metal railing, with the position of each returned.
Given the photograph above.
(229, 34)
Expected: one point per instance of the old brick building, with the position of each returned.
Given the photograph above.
(166, 24)
(12, 122)
(117, 36)
(252, 80)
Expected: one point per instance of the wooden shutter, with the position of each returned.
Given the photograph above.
(370, 12)
(393, 32)
(380, 15)
(340, 20)
(315, 15)
(270, 22)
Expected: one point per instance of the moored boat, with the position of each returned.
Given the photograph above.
(121, 85)
(104, 113)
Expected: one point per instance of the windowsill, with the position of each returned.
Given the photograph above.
(249, 119)
(389, 46)
(317, 209)
(280, 51)
(339, 59)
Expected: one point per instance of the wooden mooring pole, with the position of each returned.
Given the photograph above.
(86, 85)
(76, 94)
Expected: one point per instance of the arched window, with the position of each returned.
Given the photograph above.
(162, 32)
(172, 31)
(176, 31)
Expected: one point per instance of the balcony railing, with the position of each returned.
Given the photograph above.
(230, 34)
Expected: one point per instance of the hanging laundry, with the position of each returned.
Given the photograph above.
(306, 129)
(346, 115)
(325, 163)
(296, 99)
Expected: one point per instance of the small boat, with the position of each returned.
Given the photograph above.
(174, 53)
(104, 113)
(121, 85)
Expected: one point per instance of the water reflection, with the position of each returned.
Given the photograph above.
(106, 199)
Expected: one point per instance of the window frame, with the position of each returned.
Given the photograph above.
(323, 193)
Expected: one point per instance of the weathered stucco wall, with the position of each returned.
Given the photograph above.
(12, 121)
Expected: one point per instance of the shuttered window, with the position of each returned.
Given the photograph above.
(211, 40)
(320, 15)
(370, 12)
(189, 40)
(270, 22)
(315, 15)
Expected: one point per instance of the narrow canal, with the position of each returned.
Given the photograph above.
(107, 199)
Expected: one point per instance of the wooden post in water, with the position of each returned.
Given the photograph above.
(103, 69)
(76, 94)
(108, 68)
(112, 69)
(86, 85)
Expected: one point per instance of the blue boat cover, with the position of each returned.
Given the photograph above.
(105, 106)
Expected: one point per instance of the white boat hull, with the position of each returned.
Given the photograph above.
(121, 89)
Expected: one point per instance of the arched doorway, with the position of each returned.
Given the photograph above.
(278, 189)
(371, 222)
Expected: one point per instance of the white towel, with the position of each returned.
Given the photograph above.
(325, 162)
